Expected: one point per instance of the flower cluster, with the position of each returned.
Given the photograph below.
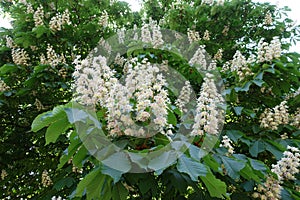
(193, 36)
(227, 143)
(295, 120)
(46, 180)
(208, 116)
(144, 84)
(156, 38)
(103, 21)
(271, 118)
(289, 165)
(3, 86)
(53, 58)
(267, 52)
(10, 43)
(219, 54)
(3, 174)
(38, 16)
(206, 35)
(239, 64)
(199, 60)
(225, 30)
(20, 56)
(269, 190)
(268, 18)
(59, 20)
(184, 96)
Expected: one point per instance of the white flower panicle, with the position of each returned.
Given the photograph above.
(288, 166)
(184, 96)
(90, 76)
(30, 9)
(269, 190)
(144, 84)
(3, 174)
(20, 57)
(146, 34)
(272, 118)
(199, 58)
(38, 16)
(219, 54)
(295, 119)
(268, 52)
(56, 23)
(239, 65)
(206, 35)
(3, 86)
(121, 35)
(227, 143)
(46, 180)
(208, 116)
(10, 43)
(268, 18)
(157, 39)
(53, 58)
(103, 21)
(225, 30)
(193, 36)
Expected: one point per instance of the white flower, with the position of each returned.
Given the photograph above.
(56, 23)
(208, 116)
(3, 174)
(206, 35)
(239, 64)
(103, 21)
(38, 16)
(271, 118)
(193, 36)
(199, 58)
(184, 96)
(267, 52)
(3, 86)
(268, 18)
(288, 165)
(20, 57)
(46, 180)
(227, 143)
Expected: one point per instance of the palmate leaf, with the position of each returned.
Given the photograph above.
(215, 187)
(232, 166)
(192, 167)
(95, 185)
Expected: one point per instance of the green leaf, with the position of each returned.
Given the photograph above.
(79, 157)
(256, 148)
(258, 82)
(115, 174)
(232, 166)
(123, 165)
(40, 31)
(273, 148)
(234, 135)
(249, 174)
(238, 110)
(244, 88)
(196, 152)
(172, 118)
(193, 168)
(257, 165)
(47, 118)
(68, 181)
(8, 68)
(212, 163)
(119, 192)
(95, 185)
(216, 187)
(56, 129)
(163, 160)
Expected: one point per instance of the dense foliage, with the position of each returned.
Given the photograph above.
(42, 154)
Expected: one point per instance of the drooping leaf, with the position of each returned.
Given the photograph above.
(232, 166)
(216, 187)
(193, 168)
